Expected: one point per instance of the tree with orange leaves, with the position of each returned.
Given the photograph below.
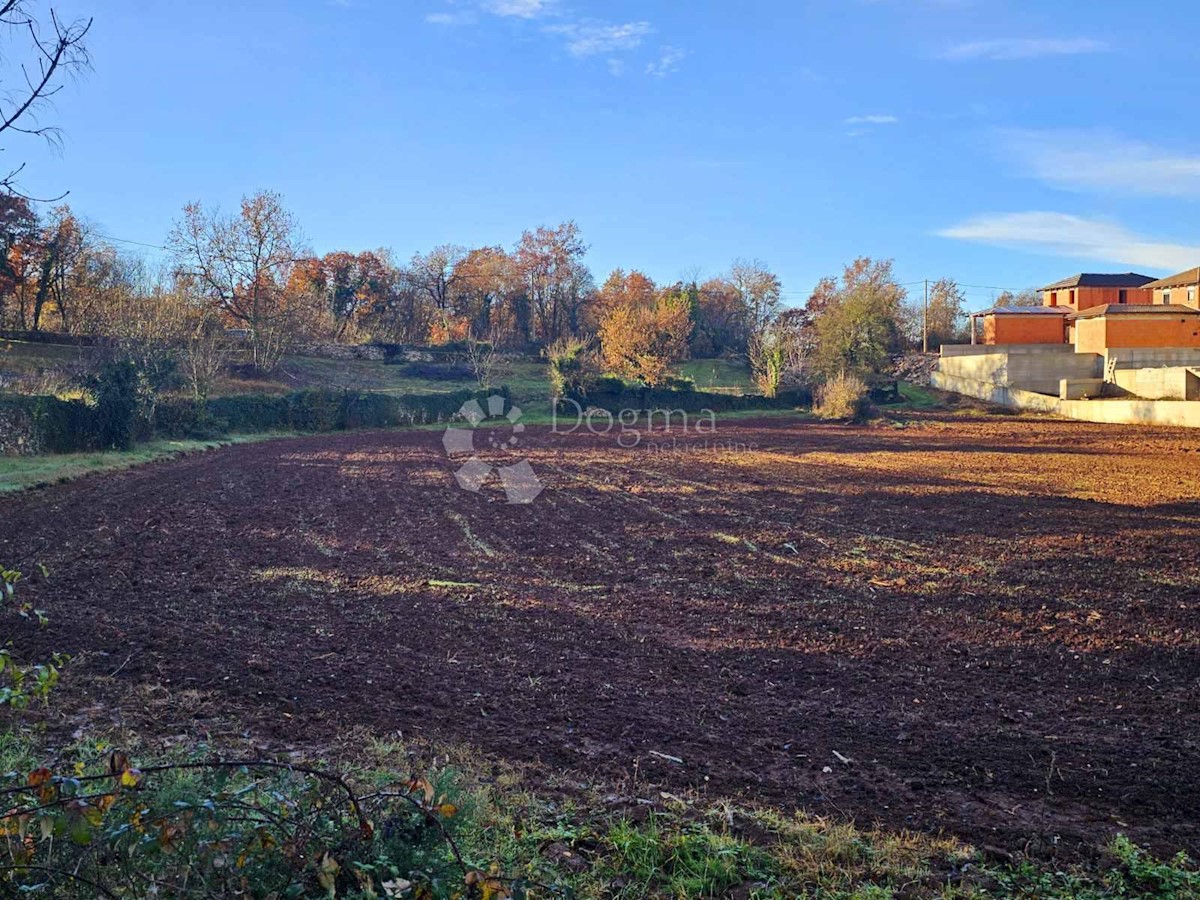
(243, 265)
(555, 284)
(619, 289)
(485, 280)
(641, 340)
(344, 287)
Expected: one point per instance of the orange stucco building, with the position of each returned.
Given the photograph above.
(1121, 326)
(1020, 325)
(1183, 288)
(1087, 289)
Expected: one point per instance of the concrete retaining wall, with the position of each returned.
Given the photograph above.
(1148, 357)
(1028, 367)
(1012, 397)
(1184, 413)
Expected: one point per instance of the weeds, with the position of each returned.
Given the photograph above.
(841, 397)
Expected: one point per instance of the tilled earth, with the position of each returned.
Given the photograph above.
(984, 625)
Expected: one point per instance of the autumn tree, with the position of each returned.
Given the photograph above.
(242, 264)
(641, 341)
(944, 313)
(621, 288)
(484, 281)
(759, 290)
(433, 275)
(722, 319)
(858, 325)
(38, 263)
(18, 227)
(1026, 297)
(401, 314)
(343, 287)
(555, 284)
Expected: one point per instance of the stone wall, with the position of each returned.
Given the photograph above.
(374, 352)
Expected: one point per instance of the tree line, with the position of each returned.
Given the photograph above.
(248, 277)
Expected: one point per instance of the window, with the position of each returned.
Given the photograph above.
(1166, 296)
(1122, 296)
(1072, 300)
(1191, 296)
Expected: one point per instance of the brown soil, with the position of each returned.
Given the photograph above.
(987, 625)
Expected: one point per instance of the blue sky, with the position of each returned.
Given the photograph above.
(1001, 143)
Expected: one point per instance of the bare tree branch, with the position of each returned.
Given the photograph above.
(54, 55)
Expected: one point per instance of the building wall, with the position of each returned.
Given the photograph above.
(1090, 335)
(1159, 331)
(1184, 295)
(1016, 329)
(1087, 297)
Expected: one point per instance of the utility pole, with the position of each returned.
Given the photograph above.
(925, 321)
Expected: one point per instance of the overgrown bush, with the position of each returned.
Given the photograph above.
(206, 828)
(124, 391)
(569, 365)
(842, 396)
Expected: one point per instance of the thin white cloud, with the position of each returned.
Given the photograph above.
(582, 38)
(520, 9)
(585, 39)
(1061, 234)
(667, 63)
(1024, 48)
(466, 17)
(1100, 161)
(871, 120)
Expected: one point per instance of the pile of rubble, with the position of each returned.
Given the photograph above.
(914, 367)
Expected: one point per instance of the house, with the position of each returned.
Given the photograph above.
(1086, 290)
(1021, 325)
(1116, 327)
(1183, 288)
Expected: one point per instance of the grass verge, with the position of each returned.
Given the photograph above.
(20, 472)
(513, 835)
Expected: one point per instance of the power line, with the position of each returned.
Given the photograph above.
(109, 237)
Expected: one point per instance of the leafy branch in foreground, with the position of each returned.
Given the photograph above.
(21, 684)
(216, 828)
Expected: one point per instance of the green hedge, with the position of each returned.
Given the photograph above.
(613, 394)
(312, 411)
(30, 425)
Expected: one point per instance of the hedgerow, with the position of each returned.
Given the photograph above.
(50, 425)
